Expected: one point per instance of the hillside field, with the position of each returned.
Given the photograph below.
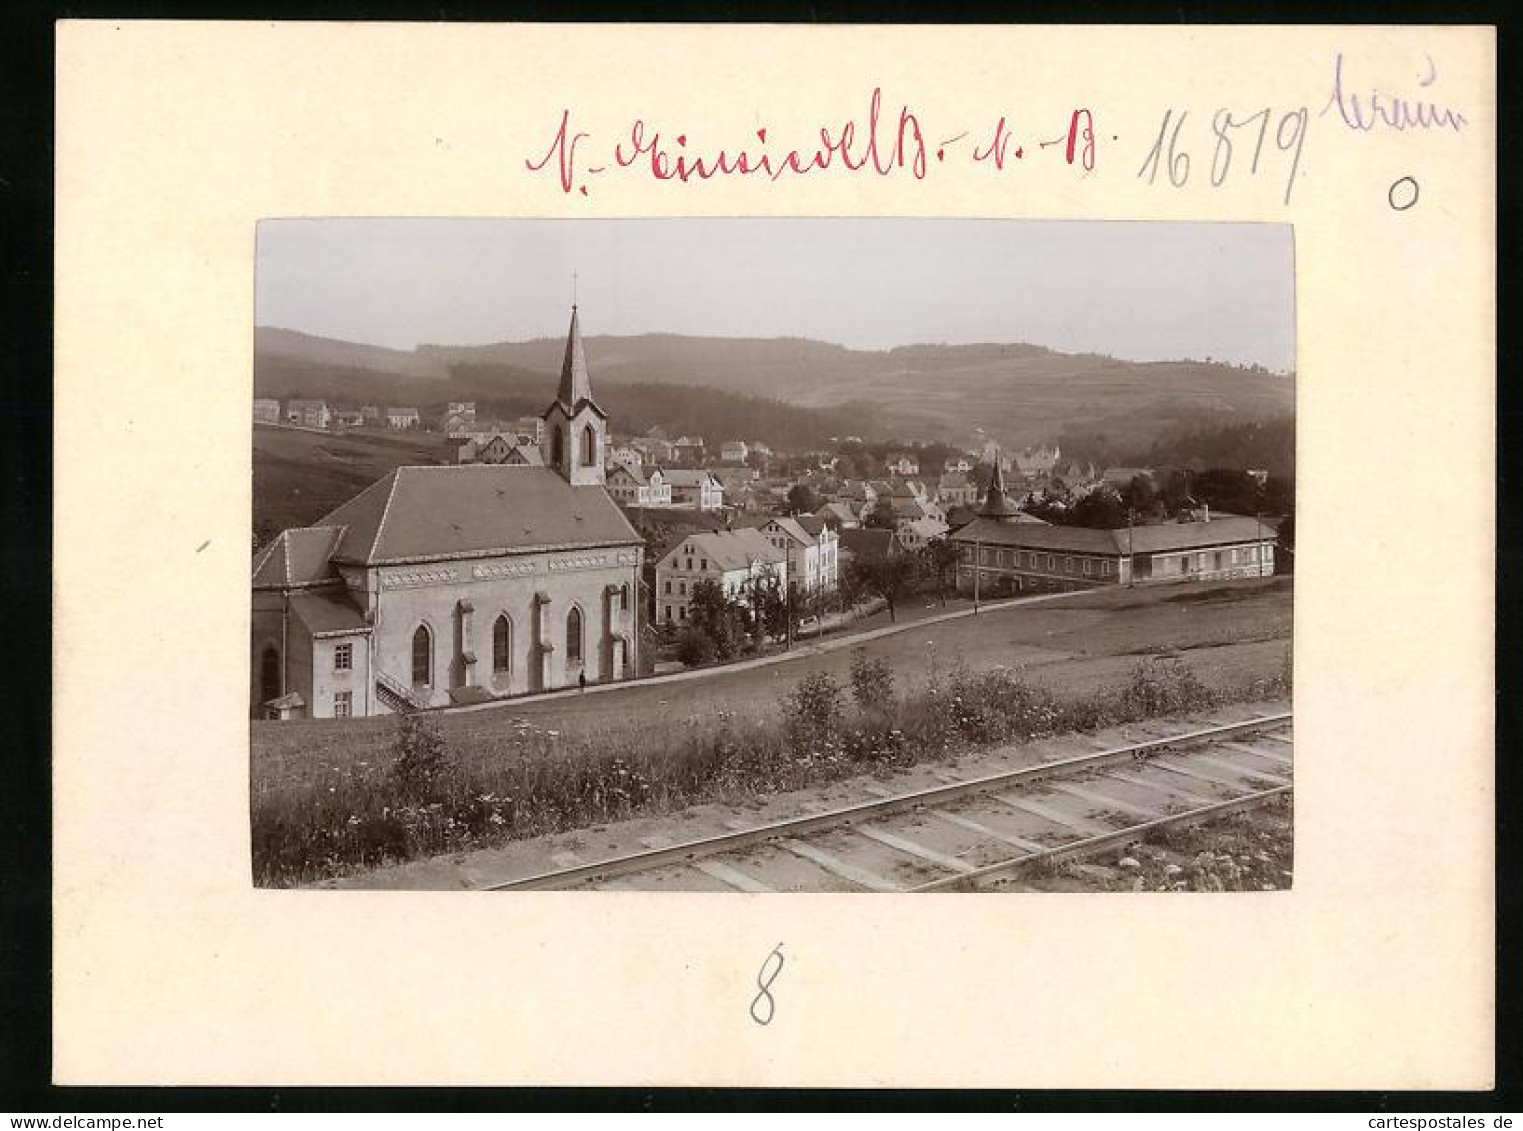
(300, 476)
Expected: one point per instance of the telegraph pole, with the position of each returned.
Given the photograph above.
(1131, 559)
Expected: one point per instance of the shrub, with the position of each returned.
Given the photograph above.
(696, 647)
(423, 761)
(872, 683)
(812, 713)
(1159, 688)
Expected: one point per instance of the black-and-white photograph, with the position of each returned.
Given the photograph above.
(773, 555)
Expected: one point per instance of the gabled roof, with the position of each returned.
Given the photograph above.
(1040, 536)
(866, 544)
(418, 514)
(688, 477)
(794, 528)
(926, 527)
(1195, 535)
(813, 524)
(1162, 538)
(297, 557)
(730, 549)
(840, 511)
(631, 471)
(329, 613)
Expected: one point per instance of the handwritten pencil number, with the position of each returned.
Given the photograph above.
(1179, 163)
(762, 1005)
(1289, 137)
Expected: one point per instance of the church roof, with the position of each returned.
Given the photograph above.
(576, 382)
(419, 514)
(297, 557)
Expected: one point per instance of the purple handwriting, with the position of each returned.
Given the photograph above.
(1390, 111)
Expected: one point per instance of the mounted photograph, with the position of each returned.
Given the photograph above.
(772, 555)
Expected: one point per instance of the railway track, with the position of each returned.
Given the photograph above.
(975, 832)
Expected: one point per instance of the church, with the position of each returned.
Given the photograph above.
(438, 586)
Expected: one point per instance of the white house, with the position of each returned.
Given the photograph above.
(402, 418)
(695, 488)
(631, 486)
(266, 410)
(732, 559)
(308, 414)
(812, 549)
(733, 451)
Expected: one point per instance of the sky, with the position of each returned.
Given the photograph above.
(1140, 291)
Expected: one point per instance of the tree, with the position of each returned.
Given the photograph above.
(940, 556)
(802, 499)
(1101, 509)
(881, 516)
(717, 617)
(892, 578)
(1140, 495)
(1285, 546)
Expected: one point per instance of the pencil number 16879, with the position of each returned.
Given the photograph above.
(1243, 138)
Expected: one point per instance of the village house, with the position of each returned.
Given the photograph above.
(838, 516)
(733, 451)
(688, 449)
(1004, 551)
(914, 533)
(1036, 463)
(812, 549)
(733, 559)
(455, 584)
(402, 418)
(695, 488)
(308, 414)
(957, 464)
(865, 546)
(371, 415)
(956, 488)
(507, 448)
(630, 486)
(266, 410)
(902, 463)
(347, 418)
(459, 419)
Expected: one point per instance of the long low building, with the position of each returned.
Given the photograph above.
(1000, 554)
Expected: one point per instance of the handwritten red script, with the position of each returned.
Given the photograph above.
(874, 145)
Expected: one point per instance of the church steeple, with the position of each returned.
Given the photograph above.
(576, 382)
(576, 427)
(996, 504)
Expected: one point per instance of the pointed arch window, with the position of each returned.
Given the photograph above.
(422, 657)
(574, 636)
(502, 645)
(557, 446)
(589, 446)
